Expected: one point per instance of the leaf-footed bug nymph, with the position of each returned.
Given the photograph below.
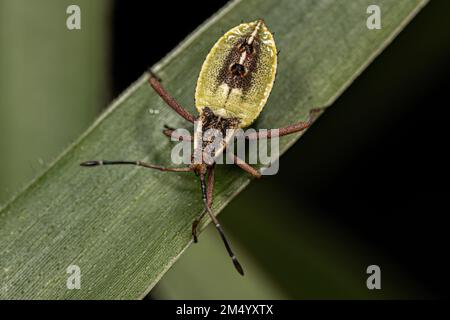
(233, 86)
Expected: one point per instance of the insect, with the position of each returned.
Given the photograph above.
(233, 86)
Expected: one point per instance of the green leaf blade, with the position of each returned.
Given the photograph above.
(125, 226)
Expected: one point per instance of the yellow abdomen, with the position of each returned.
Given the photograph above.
(238, 74)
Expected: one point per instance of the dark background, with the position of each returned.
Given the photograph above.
(384, 179)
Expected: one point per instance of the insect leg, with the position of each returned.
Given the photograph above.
(168, 99)
(283, 131)
(236, 263)
(94, 163)
(209, 195)
(168, 132)
(246, 167)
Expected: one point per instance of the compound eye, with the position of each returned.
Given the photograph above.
(238, 69)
